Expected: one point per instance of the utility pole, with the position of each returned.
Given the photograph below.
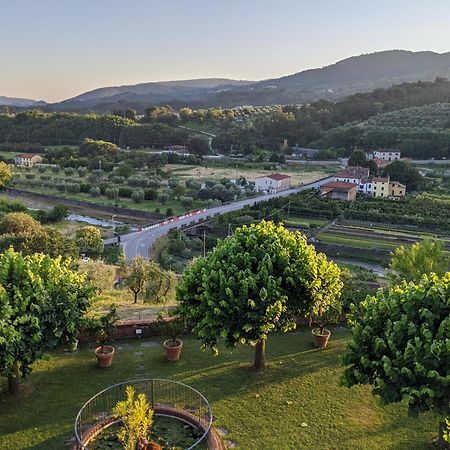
(204, 243)
(229, 229)
(113, 227)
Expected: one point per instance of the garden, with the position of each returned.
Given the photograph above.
(329, 370)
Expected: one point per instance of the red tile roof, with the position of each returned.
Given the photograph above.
(276, 176)
(25, 155)
(381, 179)
(339, 185)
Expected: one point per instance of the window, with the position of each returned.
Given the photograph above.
(382, 188)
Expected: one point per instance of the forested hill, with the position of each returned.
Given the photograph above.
(328, 125)
(361, 73)
(366, 120)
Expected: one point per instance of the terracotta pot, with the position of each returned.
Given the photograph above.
(104, 355)
(173, 349)
(72, 346)
(153, 446)
(321, 340)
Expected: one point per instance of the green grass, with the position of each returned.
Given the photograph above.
(259, 411)
(305, 221)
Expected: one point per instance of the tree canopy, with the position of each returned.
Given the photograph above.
(89, 240)
(421, 258)
(42, 301)
(256, 281)
(400, 345)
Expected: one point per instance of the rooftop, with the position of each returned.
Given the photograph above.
(342, 185)
(275, 176)
(26, 155)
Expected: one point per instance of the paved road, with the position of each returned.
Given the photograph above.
(139, 242)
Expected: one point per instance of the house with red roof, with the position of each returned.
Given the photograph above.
(273, 183)
(339, 190)
(27, 159)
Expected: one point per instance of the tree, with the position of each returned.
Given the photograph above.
(91, 147)
(163, 197)
(5, 174)
(198, 145)
(124, 170)
(404, 172)
(18, 223)
(138, 196)
(89, 241)
(42, 302)
(135, 275)
(256, 281)
(186, 202)
(400, 345)
(358, 158)
(112, 193)
(421, 258)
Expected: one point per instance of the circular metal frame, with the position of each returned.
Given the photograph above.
(151, 382)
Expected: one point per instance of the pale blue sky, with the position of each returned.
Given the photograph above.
(55, 49)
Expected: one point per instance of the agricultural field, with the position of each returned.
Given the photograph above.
(435, 115)
(361, 239)
(216, 172)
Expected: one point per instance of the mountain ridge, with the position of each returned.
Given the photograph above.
(351, 75)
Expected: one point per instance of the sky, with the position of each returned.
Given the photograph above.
(55, 49)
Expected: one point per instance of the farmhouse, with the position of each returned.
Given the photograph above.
(177, 148)
(387, 155)
(339, 190)
(27, 159)
(396, 189)
(380, 186)
(352, 174)
(273, 183)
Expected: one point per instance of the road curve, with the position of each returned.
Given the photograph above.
(138, 243)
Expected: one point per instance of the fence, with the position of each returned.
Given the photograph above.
(167, 398)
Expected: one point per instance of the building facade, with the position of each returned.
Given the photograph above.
(387, 155)
(339, 190)
(273, 183)
(396, 189)
(27, 159)
(380, 186)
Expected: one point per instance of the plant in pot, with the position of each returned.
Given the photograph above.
(172, 327)
(136, 416)
(324, 311)
(103, 328)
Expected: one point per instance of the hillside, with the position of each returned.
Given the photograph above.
(356, 74)
(20, 102)
(435, 116)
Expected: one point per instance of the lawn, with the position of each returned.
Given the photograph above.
(295, 404)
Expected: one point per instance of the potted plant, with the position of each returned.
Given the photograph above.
(136, 416)
(172, 327)
(103, 328)
(324, 311)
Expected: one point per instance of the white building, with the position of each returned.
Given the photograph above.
(356, 175)
(273, 183)
(387, 155)
(27, 159)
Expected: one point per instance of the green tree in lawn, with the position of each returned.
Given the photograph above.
(421, 258)
(135, 275)
(89, 241)
(257, 281)
(42, 302)
(401, 346)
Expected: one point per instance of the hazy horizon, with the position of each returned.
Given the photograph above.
(55, 50)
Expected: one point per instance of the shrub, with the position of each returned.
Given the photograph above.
(138, 196)
(94, 191)
(112, 193)
(82, 171)
(69, 171)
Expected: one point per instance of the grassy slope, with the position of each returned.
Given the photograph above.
(259, 411)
